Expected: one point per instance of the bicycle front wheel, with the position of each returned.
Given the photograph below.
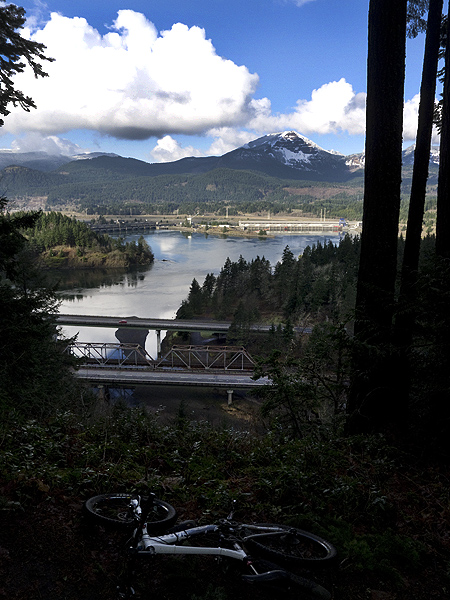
(114, 510)
(289, 545)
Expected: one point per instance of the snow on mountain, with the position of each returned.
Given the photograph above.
(289, 147)
(408, 155)
(358, 160)
(91, 155)
(289, 155)
(42, 161)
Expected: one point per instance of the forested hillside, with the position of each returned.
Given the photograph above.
(63, 241)
(97, 189)
(317, 291)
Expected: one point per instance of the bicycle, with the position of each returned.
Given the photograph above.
(254, 546)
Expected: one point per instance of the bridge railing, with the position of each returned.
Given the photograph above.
(111, 354)
(221, 358)
(228, 358)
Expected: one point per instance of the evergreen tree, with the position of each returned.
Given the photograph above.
(443, 199)
(372, 399)
(14, 50)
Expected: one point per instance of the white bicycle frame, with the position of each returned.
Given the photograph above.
(166, 544)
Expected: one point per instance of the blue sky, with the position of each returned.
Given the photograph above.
(160, 80)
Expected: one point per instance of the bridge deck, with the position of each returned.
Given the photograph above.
(108, 376)
(158, 324)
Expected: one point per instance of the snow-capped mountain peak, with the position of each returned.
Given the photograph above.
(288, 154)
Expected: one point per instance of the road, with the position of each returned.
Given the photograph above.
(158, 324)
(108, 376)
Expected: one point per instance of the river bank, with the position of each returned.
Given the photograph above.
(66, 257)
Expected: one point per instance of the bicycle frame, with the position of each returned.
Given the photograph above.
(232, 539)
(165, 544)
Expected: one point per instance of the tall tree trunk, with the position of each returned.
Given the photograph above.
(443, 195)
(405, 316)
(370, 405)
(422, 150)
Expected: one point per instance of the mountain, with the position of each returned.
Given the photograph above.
(408, 155)
(358, 160)
(42, 161)
(287, 155)
(280, 170)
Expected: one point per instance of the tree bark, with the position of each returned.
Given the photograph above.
(443, 196)
(407, 301)
(369, 403)
(422, 150)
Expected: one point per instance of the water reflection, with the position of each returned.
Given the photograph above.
(68, 279)
(158, 291)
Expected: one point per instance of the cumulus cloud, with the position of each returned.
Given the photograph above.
(52, 144)
(167, 149)
(334, 107)
(132, 82)
(135, 83)
(227, 139)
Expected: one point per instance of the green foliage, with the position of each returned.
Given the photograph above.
(55, 229)
(34, 369)
(346, 489)
(16, 49)
(319, 282)
(289, 396)
(212, 593)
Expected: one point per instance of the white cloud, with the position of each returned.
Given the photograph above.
(333, 108)
(302, 2)
(33, 142)
(227, 139)
(136, 83)
(132, 83)
(410, 118)
(167, 149)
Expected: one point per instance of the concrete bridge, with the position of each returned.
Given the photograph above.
(159, 325)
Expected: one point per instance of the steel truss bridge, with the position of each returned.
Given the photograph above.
(225, 358)
(127, 365)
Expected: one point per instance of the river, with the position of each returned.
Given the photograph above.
(158, 290)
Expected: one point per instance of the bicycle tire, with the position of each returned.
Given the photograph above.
(287, 587)
(295, 546)
(113, 510)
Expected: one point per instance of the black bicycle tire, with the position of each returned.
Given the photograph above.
(314, 589)
(292, 582)
(257, 546)
(168, 513)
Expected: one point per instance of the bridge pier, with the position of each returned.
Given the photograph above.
(230, 397)
(103, 393)
(158, 343)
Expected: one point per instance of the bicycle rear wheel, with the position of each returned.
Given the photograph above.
(290, 546)
(114, 510)
(283, 584)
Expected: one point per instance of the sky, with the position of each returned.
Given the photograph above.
(159, 80)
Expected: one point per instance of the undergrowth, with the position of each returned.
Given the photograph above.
(359, 492)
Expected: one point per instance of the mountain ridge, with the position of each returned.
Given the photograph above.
(287, 155)
(283, 171)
